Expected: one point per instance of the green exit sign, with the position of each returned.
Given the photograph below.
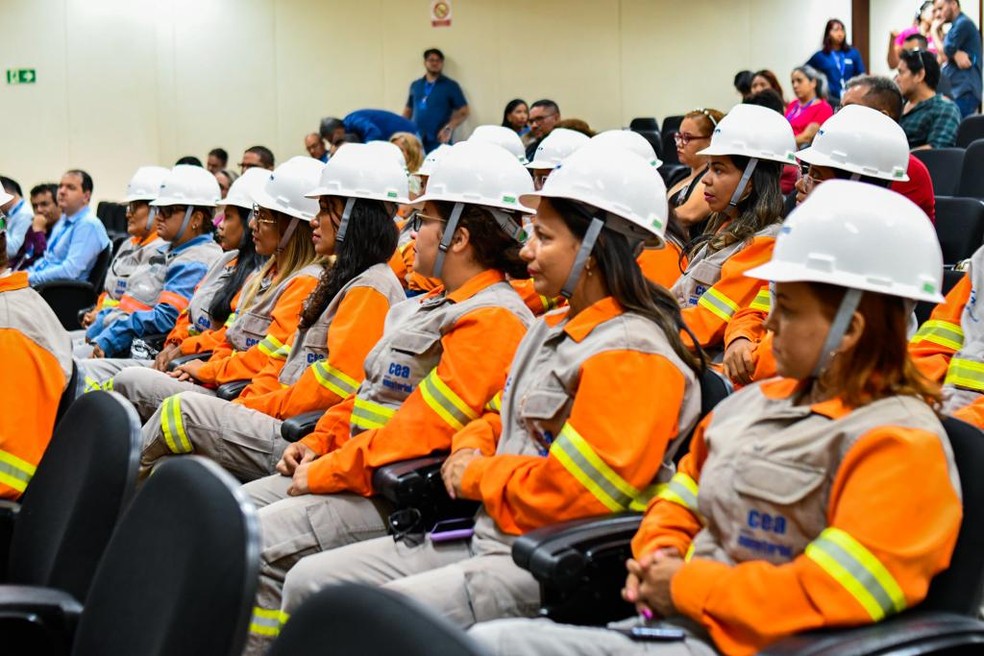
(21, 76)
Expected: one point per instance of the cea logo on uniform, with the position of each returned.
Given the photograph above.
(773, 525)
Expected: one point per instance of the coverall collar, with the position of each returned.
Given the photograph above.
(581, 326)
(785, 388)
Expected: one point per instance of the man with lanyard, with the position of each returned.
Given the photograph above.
(77, 239)
(19, 215)
(435, 104)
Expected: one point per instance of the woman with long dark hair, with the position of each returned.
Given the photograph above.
(341, 321)
(838, 60)
(516, 117)
(598, 397)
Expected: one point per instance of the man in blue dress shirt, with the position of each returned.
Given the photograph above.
(435, 104)
(76, 240)
(19, 215)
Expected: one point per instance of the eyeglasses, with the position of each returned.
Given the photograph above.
(537, 119)
(416, 220)
(168, 210)
(263, 215)
(132, 207)
(707, 114)
(243, 166)
(682, 138)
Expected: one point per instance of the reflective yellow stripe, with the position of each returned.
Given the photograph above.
(581, 462)
(15, 472)
(547, 303)
(231, 319)
(495, 403)
(718, 304)
(91, 385)
(334, 379)
(849, 563)
(944, 333)
(441, 399)
(172, 426)
(690, 553)
(108, 385)
(367, 414)
(762, 301)
(273, 348)
(681, 490)
(967, 374)
(267, 622)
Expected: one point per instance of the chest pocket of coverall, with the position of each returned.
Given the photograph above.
(410, 357)
(778, 508)
(702, 277)
(543, 411)
(249, 330)
(147, 287)
(312, 348)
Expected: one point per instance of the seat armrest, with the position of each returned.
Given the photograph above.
(182, 359)
(231, 390)
(34, 610)
(8, 517)
(295, 428)
(64, 284)
(405, 483)
(912, 632)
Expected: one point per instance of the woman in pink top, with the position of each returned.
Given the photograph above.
(807, 112)
(921, 24)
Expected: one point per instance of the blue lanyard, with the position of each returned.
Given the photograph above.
(428, 89)
(56, 239)
(841, 60)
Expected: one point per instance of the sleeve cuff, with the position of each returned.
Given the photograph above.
(471, 480)
(693, 584)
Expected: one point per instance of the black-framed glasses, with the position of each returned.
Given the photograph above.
(416, 220)
(167, 211)
(541, 118)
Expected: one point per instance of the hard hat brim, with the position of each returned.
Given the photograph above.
(797, 272)
(615, 220)
(812, 156)
(265, 200)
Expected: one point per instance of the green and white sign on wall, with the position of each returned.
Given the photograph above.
(21, 76)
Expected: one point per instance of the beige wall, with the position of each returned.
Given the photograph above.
(129, 82)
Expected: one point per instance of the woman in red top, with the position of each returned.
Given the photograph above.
(807, 112)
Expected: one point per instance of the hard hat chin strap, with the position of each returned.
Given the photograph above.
(583, 253)
(343, 226)
(151, 215)
(288, 233)
(446, 238)
(184, 223)
(742, 184)
(838, 328)
(508, 225)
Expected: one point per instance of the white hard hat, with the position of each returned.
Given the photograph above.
(433, 157)
(242, 191)
(286, 185)
(145, 183)
(364, 171)
(388, 149)
(479, 174)
(5, 197)
(501, 136)
(622, 184)
(863, 141)
(858, 236)
(753, 131)
(557, 145)
(188, 185)
(627, 140)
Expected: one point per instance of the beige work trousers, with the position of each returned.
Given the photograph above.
(147, 388)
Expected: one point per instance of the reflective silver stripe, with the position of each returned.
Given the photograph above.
(367, 415)
(718, 304)
(681, 490)
(15, 472)
(265, 622)
(442, 400)
(334, 379)
(581, 462)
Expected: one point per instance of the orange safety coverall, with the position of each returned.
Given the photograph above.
(748, 323)
(204, 340)
(708, 320)
(932, 347)
(244, 365)
(402, 265)
(33, 377)
(355, 329)
(522, 492)
(475, 353)
(662, 265)
(891, 494)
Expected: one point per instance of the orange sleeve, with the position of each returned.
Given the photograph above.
(941, 336)
(669, 522)
(415, 281)
(333, 429)
(475, 353)
(973, 413)
(716, 306)
(662, 266)
(604, 457)
(899, 534)
(354, 331)
(747, 323)
(27, 419)
(246, 364)
(180, 331)
(100, 300)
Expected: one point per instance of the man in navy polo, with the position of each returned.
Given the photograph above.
(436, 104)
